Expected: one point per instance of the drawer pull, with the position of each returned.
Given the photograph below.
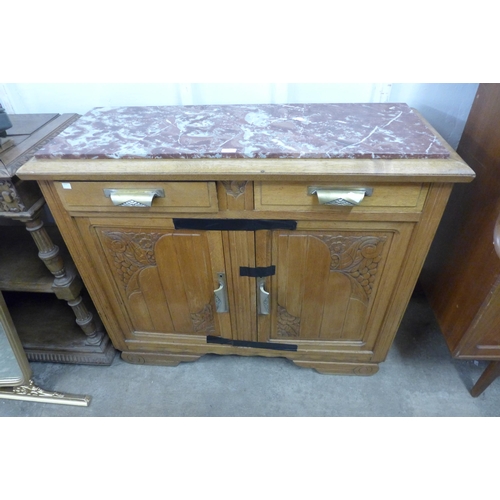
(221, 302)
(340, 197)
(133, 197)
(263, 302)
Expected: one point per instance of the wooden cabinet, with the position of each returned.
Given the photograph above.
(461, 276)
(242, 256)
(329, 290)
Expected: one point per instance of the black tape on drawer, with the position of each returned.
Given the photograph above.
(257, 345)
(258, 272)
(234, 224)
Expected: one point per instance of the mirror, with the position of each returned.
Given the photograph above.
(14, 367)
(15, 371)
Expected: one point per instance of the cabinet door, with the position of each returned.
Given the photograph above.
(164, 280)
(333, 287)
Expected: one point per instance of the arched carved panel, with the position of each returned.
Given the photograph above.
(148, 284)
(325, 282)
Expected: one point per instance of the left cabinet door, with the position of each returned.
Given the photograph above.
(160, 281)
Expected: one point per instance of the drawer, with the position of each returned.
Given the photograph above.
(296, 196)
(174, 196)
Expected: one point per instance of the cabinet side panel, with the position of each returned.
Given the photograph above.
(82, 255)
(416, 253)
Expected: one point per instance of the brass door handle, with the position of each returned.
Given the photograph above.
(263, 297)
(133, 197)
(340, 197)
(221, 302)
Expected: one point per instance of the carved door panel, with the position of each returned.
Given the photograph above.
(164, 279)
(331, 286)
(330, 291)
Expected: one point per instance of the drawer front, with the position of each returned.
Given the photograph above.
(173, 196)
(295, 196)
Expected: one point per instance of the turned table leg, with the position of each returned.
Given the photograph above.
(491, 372)
(67, 285)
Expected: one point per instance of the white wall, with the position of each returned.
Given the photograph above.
(81, 97)
(446, 106)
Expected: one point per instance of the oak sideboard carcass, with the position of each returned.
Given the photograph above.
(293, 230)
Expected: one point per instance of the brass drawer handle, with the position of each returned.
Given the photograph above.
(340, 197)
(133, 197)
(221, 302)
(263, 300)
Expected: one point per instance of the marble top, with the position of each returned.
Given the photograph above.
(248, 131)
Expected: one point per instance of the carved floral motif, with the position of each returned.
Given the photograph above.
(235, 188)
(131, 252)
(356, 256)
(288, 325)
(203, 321)
(9, 199)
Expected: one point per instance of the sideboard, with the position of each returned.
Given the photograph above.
(292, 230)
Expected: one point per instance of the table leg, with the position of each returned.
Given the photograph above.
(67, 286)
(491, 372)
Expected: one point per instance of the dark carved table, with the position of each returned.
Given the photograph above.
(45, 324)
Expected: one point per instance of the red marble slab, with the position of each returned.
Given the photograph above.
(249, 131)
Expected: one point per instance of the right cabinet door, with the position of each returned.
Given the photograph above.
(333, 285)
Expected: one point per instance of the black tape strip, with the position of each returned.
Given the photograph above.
(234, 224)
(258, 272)
(257, 345)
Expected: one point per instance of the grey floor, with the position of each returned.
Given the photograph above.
(419, 379)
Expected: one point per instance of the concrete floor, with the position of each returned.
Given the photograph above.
(419, 379)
